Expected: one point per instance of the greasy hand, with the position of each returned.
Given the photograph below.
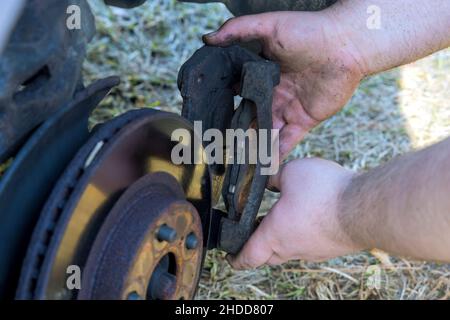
(320, 66)
(304, 223)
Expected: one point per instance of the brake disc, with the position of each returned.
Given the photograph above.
(119, 153)
(27, 183)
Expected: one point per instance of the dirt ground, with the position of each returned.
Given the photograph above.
(390, 114)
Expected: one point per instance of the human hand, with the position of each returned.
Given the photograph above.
(304, 223)
(320, 67)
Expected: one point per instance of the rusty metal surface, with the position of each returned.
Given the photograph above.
(54, 205)
(93, 182)
(242, 7)
(245, 184)
(208, 82)
(40, 68)
(27, 183)
(130, 258)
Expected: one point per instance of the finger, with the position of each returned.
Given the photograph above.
(243, 29)
(278, 122)
(257, 251)
(275, 260)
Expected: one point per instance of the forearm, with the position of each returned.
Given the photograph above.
(409, 30)
(402, 207)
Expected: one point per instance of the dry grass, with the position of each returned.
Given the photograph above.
(389, 115)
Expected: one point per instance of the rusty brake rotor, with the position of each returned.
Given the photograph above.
(149, 245)
(117, 155)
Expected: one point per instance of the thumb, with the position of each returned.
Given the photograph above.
(256, 252)
(242, 29)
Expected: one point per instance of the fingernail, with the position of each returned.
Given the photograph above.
(208, 36)
(211, 34)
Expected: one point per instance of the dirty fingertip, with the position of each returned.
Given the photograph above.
(232, 261)
(209, 37)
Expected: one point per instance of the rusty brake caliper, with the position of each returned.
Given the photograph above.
(209, 82)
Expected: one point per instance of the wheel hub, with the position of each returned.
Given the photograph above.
(149, 246)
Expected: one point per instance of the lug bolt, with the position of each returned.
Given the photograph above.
(134, 296)
(166, 233)
(191, 241)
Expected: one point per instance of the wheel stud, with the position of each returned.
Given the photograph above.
(191, 241)
(134, 296)
(166, 233)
